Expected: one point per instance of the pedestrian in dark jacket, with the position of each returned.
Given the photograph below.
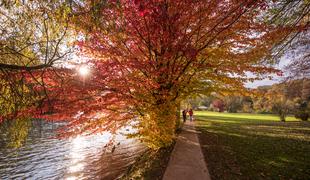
(184, 115)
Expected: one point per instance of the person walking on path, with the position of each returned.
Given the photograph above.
(184, 115)
(191, 113)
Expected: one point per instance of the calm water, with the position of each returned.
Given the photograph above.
(42, 157)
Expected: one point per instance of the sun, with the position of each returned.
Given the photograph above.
(83, 70)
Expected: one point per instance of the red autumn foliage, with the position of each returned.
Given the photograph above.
(146, 56)
(219, 104)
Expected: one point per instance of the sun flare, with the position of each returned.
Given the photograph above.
(83, 70)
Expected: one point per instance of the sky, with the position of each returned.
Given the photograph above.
(276, 79)
(264, 82)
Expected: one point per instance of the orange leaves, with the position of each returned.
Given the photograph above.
(148, 55)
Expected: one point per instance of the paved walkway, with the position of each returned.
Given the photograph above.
(187, 161)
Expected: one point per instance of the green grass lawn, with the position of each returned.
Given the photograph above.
(253, 146)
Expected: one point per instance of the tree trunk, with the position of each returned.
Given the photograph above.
(178, 116)
(282, 117)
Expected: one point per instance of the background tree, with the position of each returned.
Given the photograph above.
(260, 101)
(207, 100)
(194, 102)
(247, 104)
(232, 103)
(305, 92)
(33, 36)
(278, 101)
(219, 105)
(302, 110)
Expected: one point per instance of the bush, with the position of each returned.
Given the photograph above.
(302, 115)
(264, 112)
(302, 111)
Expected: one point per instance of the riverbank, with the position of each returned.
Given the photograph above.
(150, 165)
(253, 146)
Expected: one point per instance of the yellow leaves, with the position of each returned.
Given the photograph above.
(32, 33)
(62, 12)
(13, 98)
(17, 131)
(158, 125)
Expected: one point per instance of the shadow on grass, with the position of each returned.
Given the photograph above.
(244, 148)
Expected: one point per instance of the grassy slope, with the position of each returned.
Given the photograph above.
(250, 146)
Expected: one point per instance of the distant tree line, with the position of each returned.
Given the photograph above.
(291, 97)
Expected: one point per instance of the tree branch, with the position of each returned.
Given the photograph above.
(19, 67)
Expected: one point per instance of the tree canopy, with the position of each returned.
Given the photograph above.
(146, 56)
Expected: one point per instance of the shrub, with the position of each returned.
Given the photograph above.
(302, 115)
(302, 111)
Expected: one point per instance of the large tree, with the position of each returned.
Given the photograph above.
(146, 56)
(160, 51)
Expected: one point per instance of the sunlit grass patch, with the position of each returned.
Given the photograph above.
(245, 116)
(256, 146)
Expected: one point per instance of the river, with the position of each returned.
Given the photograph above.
(85, 157)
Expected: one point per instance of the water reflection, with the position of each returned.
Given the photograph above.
(15, 131)
(77, 159)
(83, 157)
(78, 155)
